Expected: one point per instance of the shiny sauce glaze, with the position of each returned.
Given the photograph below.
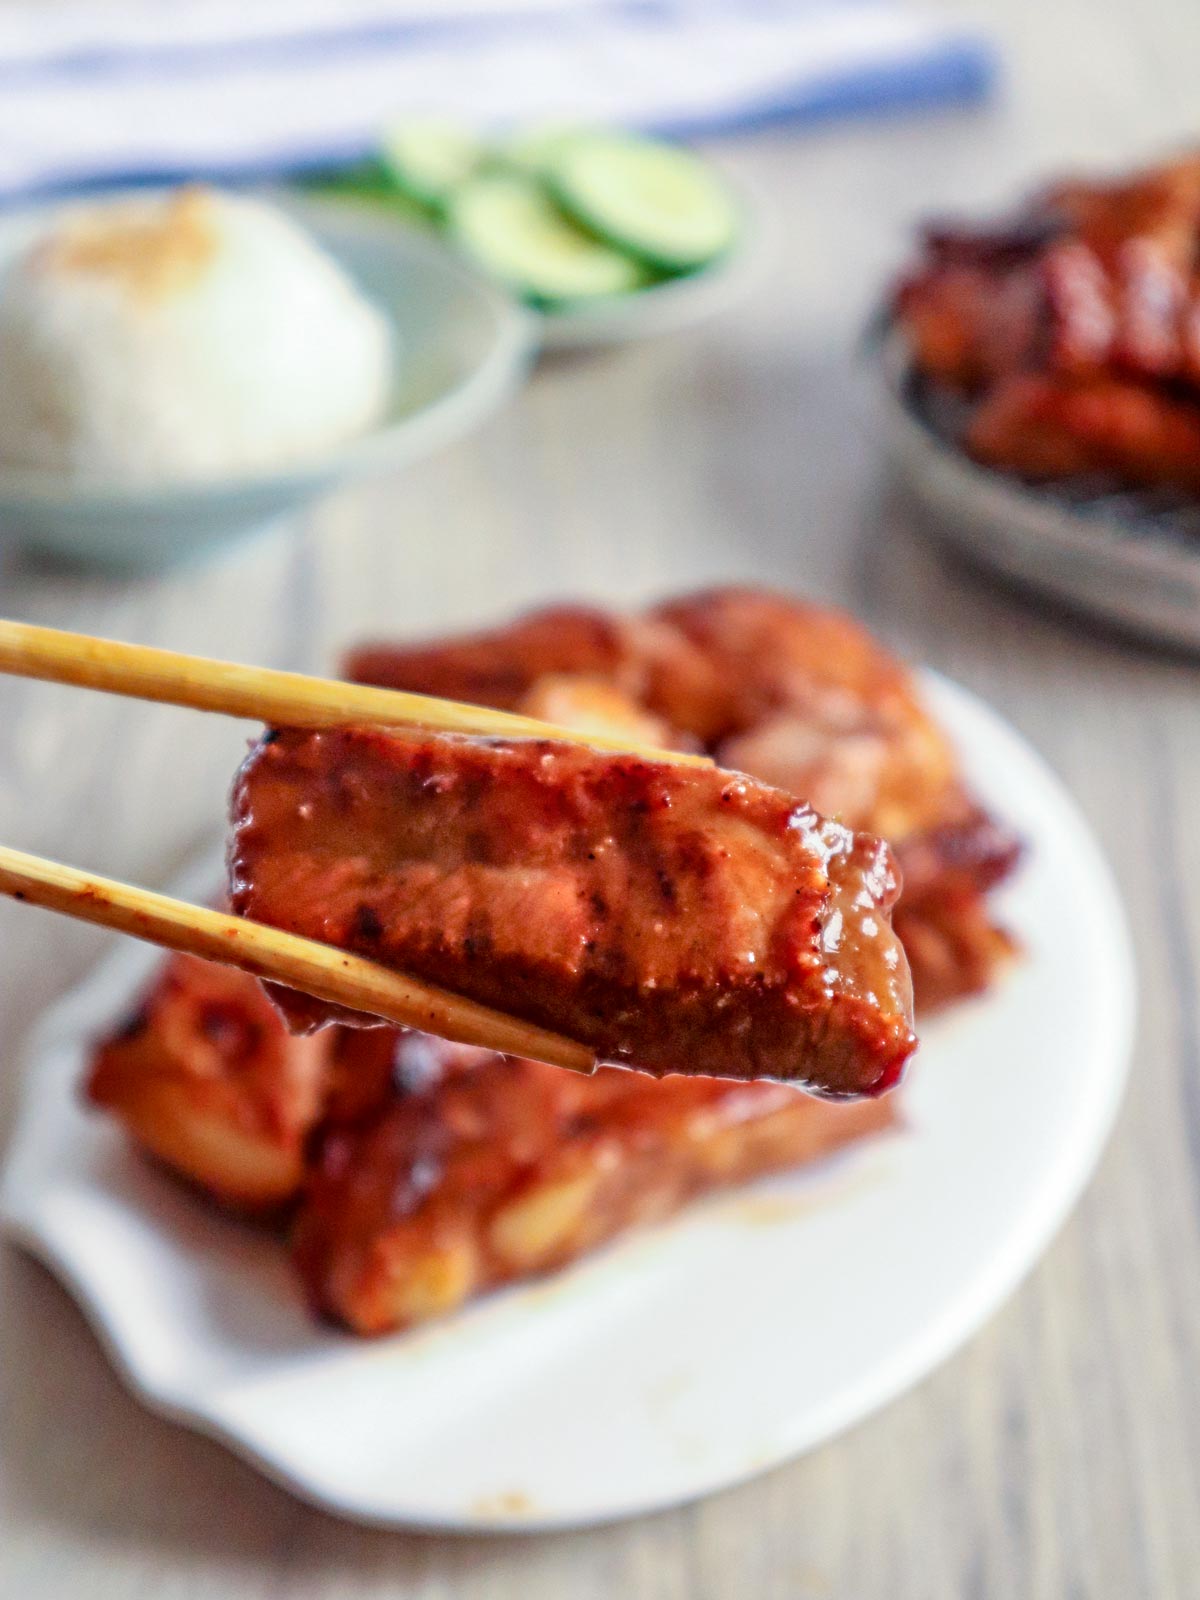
(483, 1171)
(674, 919)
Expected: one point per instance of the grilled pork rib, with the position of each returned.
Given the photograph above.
(677, 919)
(797, 695)
(420, 1172)
(479, 1174)
(1073, 330)
(205, 1077)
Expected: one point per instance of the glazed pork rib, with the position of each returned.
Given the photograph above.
(1087, 279)
(798, 695)
(1073, 329)
(422, 1173)
(675, 919)
(205, 1076)
(481, 1173)
(1049, 428)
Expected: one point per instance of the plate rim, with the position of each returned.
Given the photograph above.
(1031, 526)
(1046, 1207)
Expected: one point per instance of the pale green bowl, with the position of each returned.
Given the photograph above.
(463, 348)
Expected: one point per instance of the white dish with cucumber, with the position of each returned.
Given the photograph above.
(608, 236)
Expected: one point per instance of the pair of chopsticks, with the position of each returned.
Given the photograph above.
(284, 699)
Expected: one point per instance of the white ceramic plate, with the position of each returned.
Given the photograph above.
(1116, 556)
(462, 348)
(675, 1363)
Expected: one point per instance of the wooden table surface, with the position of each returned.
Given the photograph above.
(1059, 1454)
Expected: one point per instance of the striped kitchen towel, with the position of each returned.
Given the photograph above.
(94, 92)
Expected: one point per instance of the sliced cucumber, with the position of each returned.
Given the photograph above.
(535, 149)
(428, 159)
(368, 179)
(510, 226)
(368, 183)
(655, 200)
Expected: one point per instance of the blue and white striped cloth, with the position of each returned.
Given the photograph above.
(143, 88)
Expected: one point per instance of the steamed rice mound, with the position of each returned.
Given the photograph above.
(183, 337)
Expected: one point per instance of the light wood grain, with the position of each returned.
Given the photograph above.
(1058, 1456)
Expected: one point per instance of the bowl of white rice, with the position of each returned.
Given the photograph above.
(183, 367)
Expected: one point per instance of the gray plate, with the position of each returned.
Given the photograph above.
(1129, 558)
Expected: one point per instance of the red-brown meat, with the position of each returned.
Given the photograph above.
(795, 694)
(206, 1077)
(1074, 329)
(427, 1171)
(647, 661)
(680, 919)
(1088, 276)
(1048, 428)
(485, 1173)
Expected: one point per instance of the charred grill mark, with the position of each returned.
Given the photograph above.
(478, 942)
(478, 846)
(1007, 244)
(133, 1026)
(367, 924)
(228, 1028)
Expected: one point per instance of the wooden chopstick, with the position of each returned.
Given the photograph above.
(304, 964)
(284, 699)
(280, 699)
